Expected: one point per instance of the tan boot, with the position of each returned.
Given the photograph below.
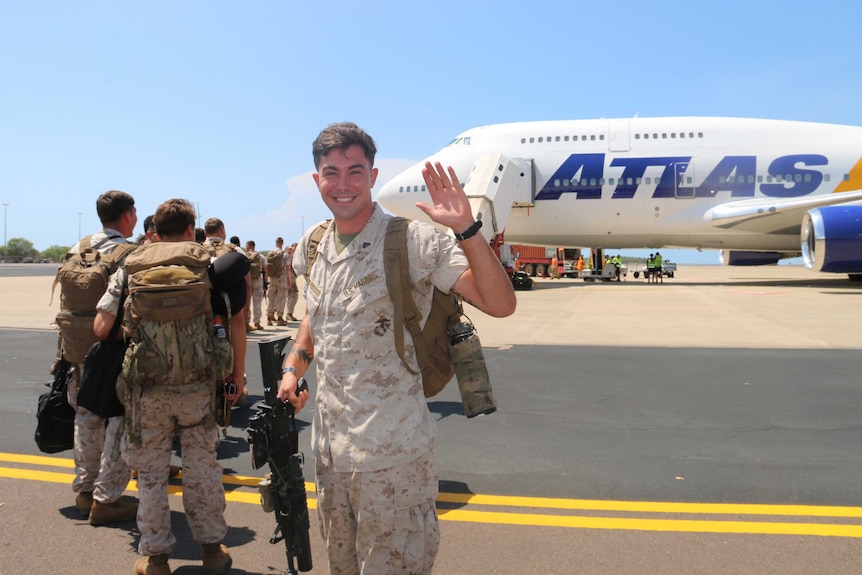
(258, 326)
(216, 558)
(280, 322)
(84, 502)
(153, 565)
(270, 320)
(119, 511)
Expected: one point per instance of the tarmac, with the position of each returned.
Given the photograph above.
(528, 520)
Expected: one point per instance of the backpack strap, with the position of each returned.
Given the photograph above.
(314, 241)
(397, 267)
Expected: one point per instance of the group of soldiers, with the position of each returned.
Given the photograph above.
(273, 276)
(104, 452)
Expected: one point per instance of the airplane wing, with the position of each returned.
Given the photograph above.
(773, 215)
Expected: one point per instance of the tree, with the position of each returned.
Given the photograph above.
(21, 249)
(55, 253)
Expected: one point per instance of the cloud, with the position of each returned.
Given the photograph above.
(302, 208)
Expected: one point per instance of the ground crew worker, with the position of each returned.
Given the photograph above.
(657, 267)
(373, 437)
(554, 269)
(580, 265)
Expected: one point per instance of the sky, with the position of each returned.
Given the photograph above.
(218, 102)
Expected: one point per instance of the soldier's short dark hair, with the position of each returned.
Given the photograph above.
(149, 225)
(174, 217)
(213, 225)
(234, 240)
(200, 235)
(112, 205)
(340, 136)
(251, 243)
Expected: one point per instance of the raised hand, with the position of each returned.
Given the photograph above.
(451, 207)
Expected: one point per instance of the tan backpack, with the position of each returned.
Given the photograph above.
(83, 278)
(254, 265)
(432, 341)
(275, 264)
(170, 317)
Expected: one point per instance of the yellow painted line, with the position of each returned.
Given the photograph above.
(37, 460)
(535, 519)
(628, 524)
(651, 506)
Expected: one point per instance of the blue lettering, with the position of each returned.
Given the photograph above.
(795, 181)
(587, 168)
(634, 168)
(583, 175)
(734, 174)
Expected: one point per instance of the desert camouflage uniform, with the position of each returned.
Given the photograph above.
(276, 294)
(165, 412)
(292, 289)
(257, 290)
(98, 465)
(372, 432)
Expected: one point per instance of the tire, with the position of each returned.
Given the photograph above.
(636, 274)
(529, 270)
(540, 270)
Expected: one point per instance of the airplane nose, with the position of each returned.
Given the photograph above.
(400, 194)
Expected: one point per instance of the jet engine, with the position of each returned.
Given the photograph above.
(832, 239)
(744, 258)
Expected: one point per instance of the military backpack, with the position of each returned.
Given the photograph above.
(275, 263)
(254, 265)
(83, 279)
(170, 317)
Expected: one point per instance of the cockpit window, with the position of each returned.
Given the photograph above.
(464, 141)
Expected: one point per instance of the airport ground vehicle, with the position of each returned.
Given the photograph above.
(535, 261)
(668, 269)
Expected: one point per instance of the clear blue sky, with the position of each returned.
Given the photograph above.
(218, 102)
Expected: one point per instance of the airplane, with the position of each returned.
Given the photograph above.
(758, 190)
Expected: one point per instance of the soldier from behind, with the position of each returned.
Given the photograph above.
(100, 474)
(276, 274)
(292, 289)
(237, 322)
(168, 386)
(257, 266)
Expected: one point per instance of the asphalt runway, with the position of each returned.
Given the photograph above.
(707, 425)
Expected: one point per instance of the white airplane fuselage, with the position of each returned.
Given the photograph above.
(689, 182)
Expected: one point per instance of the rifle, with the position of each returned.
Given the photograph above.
(274, 439)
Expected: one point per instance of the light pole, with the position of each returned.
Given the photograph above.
(79, 224)
(5, 247)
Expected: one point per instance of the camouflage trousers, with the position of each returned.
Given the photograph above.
(379, 522)
(98, 466)
(292, 298)
(256, 300)
(275, 297)
(164, 412)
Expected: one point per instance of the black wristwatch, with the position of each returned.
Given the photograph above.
(469, 232)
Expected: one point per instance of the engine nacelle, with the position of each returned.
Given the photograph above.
(743, 258)
(832, 239)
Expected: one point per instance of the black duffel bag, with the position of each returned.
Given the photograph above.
(55, 418)
(102, 366)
